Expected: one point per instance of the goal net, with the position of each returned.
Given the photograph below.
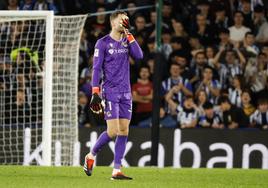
(38, 87)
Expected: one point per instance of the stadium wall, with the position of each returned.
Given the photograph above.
(187, 148)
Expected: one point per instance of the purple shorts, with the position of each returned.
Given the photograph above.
(117, 106)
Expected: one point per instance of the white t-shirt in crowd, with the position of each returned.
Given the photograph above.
(238, 34)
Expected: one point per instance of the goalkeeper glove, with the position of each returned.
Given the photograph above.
(95, 103)
(125, 22)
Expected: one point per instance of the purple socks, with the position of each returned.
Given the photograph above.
(120, 147)
(102, 140)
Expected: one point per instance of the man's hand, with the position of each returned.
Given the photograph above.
(95, 104)
(124, 22)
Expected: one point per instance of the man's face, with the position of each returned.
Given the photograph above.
(224, 37)
(209, 112)
(116, 23)
(101, 10)
(220, 14)
(238, 18)
(200, 59)
(246, 6)
(153, 17)
(166, 10)
(175, 71)
(140, 23)
(230, 57)
(208, 74)
(263, 107)
(201, 20)
(250, 39)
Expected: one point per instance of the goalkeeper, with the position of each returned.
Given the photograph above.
(111, 59)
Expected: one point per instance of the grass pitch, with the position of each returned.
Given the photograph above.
(74, 177)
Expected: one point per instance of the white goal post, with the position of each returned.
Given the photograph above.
(38, 87)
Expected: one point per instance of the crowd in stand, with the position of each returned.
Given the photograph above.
(215, 60)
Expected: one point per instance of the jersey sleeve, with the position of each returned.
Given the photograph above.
(98, 59)
(135, 50)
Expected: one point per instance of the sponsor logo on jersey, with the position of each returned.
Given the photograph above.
(117, 51)
(111, 51)
(96, 53)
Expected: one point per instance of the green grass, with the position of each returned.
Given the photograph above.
(74, 177)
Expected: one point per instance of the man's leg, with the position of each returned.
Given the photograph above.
(125, 109)
(112, 119)
(120, 142)
(104, 138)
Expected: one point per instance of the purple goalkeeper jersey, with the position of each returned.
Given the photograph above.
(111, 59)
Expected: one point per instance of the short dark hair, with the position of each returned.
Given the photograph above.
(207, 105)
(209, 67)
(249, 33)
(262, 101)
(116, 13)
(144, 67)
(239, 12)
(200, 52)
(224, 99)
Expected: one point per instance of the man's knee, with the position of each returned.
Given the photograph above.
(112, 132)
(123, 130)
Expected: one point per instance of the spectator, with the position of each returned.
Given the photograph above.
(211, 86)
(13, 5)
(195, 44)
(203, 31)
(210, 119)
(247, 106)
(232, 116)
(229, 67)
(38, 5)
(166, 45)
(248, 14)
(258, 80)
(20, 109)
(236, 90)
(150, 27)
(83, 111)
(139, 26)
(131, 13)
(210, 54)
(167, 13)
(260, 117)
(198, 64)
(44, 5)
(85, 82)
(203, 8)
(187, 116)
(26, 5)
(142, 92)
(175, 89)
(260, 25)
(178, 28)
(225, 42)
(84, 50)
(250, 47)
(238, 30)
(201, 99)
(99, 25)
(221, 20)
